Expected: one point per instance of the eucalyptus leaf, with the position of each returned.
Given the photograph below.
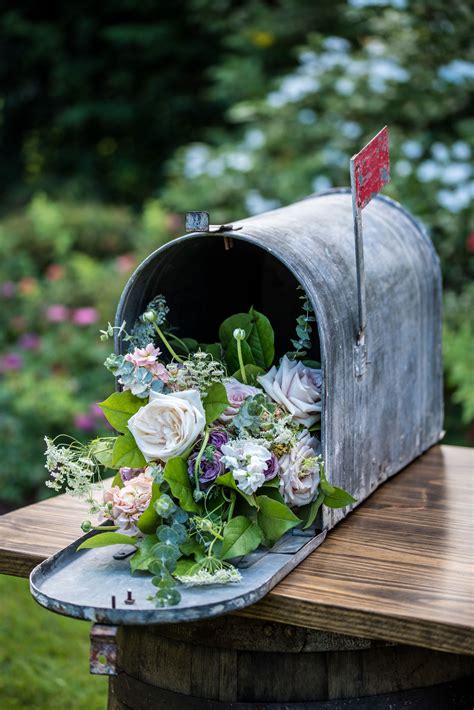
(127, 453)
(215, 402)
(241, 536)
(274, 518)
(239, 320)
(107, 538)
(261, 340)
(176, 474)
(119, 407)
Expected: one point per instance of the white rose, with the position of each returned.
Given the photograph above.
(297, 388)
(168, 425)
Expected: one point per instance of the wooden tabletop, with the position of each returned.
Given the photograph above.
(398, 568)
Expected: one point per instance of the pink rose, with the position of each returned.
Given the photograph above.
(237, 393)
(129, 502)
(148, 358)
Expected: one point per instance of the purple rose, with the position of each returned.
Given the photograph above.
(127, 473)
(272, 468)
(211, 465)
(237, 393)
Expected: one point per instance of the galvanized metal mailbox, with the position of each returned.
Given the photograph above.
(382, 399)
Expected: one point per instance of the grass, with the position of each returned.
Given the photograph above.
(44, 657)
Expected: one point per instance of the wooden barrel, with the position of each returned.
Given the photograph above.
(242, 664)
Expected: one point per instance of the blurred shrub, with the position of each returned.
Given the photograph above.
(389, 62)
(62, 269)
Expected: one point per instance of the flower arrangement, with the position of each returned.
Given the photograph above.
(216, 450)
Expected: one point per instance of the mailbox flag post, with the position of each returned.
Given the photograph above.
(370, 171)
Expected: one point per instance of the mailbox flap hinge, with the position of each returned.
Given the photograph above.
(360, 359)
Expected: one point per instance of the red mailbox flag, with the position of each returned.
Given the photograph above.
(370, 171)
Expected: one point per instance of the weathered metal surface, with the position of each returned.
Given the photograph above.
(197, 221)
(372, 425)
(81, 584)
(371, 169)
(103, 652)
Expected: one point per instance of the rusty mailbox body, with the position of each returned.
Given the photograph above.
(382, 404)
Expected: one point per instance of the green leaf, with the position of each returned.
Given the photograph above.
(102, 451)
(127, 453)
(326, 487)
(148, 520)
(117, 480)
(309, 512)
(176, 473)
(119, 407)
(271, 492)
(232, 357)
(215, 402)
(143, 556)
(229, 481)
(251, 372)
(241, 536)
(275, 518)
(339, 499)
(313, 364)
(183, 566)
(239, 320)
(107, 538)
(192, 548)
(261, 339)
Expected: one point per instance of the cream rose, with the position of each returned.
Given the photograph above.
(168, 425)
(297, 388)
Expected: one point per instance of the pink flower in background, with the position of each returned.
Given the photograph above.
(84, 316)
(10, 362)
(125, 263)
(29, 341)
(55, 272)
(96, 411)
(84, 422)
(8, 289)
(148, 358)
(27, 285)
(57, 313)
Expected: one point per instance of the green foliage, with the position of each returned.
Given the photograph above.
(149, 519)
(105, 539)
(274, 518)
(215, 402)
(241, 536)
(126, 452)
(119, 407)
(176, 474)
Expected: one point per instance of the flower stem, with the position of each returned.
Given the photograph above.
(167, 344)
(241, 361)
(178, 340)
(199, 458)
(232, 505)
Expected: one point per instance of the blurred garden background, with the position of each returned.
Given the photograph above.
(116, 118)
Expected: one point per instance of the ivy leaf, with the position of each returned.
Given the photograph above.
(119, 407)
(261, 339)
(176, 474)
(143, 556)
(149, 519)
(127, 453)
(309, 512)
(275, 518)
(226, 330)
(232, 357)
(229, 481)
(339, 499)
(241, 536)
(251, 372)
(107, 538)
(215, 402)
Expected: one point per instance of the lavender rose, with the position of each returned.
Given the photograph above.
(211, 465)
(299, 471)
(297, 388)
(127, 473)
(237, 393)
(272, 468)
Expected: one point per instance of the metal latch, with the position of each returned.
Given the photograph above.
(103, 654)
(199, 222)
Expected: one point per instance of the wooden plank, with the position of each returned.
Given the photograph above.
(398, 568)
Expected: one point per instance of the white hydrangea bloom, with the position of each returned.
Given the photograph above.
(248, 461)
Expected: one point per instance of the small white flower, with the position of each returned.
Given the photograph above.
(248, 461)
